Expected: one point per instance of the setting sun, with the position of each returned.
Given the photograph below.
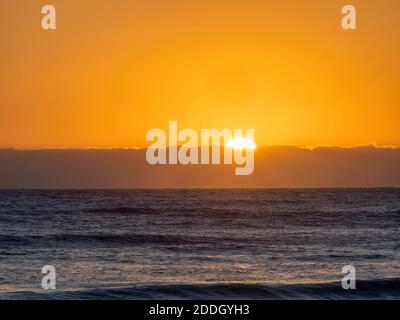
(241, 143)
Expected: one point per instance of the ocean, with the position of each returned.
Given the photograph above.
(200, 244)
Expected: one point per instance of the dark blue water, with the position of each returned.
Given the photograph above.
(205, 244)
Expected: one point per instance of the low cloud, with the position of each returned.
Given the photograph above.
(275, 167)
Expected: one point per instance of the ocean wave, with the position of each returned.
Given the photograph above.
(120, 239)
(366, 289)
(192, 211)
(244, 210)
(124, 210)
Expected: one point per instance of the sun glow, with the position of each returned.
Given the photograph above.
(241, 143)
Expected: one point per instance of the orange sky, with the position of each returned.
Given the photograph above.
(115, 69)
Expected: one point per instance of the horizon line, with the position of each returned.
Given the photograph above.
(304, 147)
(206, 188)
